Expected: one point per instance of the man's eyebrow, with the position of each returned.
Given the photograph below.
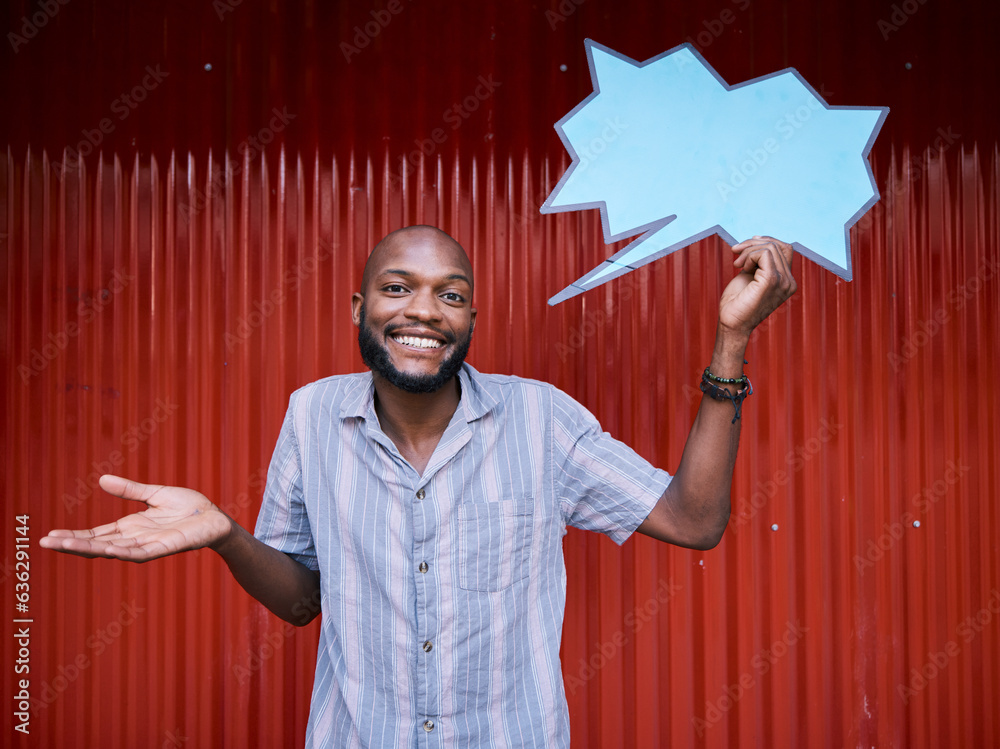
(401, 272)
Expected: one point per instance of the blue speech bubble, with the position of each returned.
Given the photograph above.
(668, 149)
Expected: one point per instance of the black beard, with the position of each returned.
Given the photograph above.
(376, 358)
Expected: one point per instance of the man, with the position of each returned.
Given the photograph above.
(424, 505)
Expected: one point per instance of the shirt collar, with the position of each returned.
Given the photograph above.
(477, 400)
(478, 396)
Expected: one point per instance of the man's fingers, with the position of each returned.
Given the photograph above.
(60, 533)
(81, 547)
(93, 541)
(774, 264)
(741, 259)
(89, 542)
(788, 253)
(128, 549)
(126, 488)
(141, 553)
(749, 259)
(754, 250)
(784, 259)
(748, 249)
(752, 242)
(767, 263)
(108, 529)
(748, 246)
(770, 264)
(137, 550)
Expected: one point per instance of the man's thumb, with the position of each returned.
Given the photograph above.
(126, 488)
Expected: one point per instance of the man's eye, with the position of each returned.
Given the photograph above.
(394, 288)
(451, 296)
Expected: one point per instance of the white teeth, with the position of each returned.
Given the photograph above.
(410, 340)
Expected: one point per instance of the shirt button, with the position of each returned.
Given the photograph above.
(421, 495)
(427, 646)
(423, 567)
(428, 725)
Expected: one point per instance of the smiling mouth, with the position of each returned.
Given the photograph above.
(417, 341)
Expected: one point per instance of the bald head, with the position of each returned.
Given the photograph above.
(414, 312)
(411, 242)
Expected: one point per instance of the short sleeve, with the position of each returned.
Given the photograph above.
(283, 521)
(602, 483)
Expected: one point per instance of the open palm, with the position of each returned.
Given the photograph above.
(175, 519)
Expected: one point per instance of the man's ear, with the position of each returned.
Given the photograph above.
(472, 324)
(357, 300)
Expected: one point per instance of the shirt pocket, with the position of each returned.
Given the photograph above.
(494, 543)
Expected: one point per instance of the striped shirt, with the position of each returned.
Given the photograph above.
(443, 593)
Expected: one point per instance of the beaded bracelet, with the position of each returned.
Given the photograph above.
(722, 394)
(742, 379)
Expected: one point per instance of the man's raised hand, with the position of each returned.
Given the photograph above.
(175, 519)
(765, 282)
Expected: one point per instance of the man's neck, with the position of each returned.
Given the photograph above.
(415, 422)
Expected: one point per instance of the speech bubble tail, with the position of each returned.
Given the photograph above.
(654, 244)
(601, 274)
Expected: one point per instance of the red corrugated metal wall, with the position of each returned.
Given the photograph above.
(165, 292)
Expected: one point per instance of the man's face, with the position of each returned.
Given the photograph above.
(415, 315)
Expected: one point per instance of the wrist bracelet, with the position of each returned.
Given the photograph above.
(723, 394)
(741, 380)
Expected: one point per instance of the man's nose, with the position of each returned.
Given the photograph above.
(423, 305)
